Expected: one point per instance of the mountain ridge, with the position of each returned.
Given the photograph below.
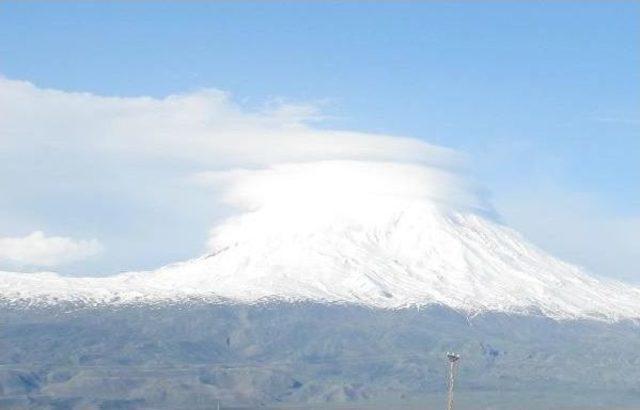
(403, 254)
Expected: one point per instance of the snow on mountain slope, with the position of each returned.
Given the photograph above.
(382, 235)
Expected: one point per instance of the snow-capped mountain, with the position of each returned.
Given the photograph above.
(342, 241)
(386, 278)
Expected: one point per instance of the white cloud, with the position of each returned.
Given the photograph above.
(204, 128)
(117, 167)
(342, 183)
(304, 197)
(37, 249)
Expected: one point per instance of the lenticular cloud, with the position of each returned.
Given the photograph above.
(323, 216)
(204, 129)
(342, 184)
(303, 195)
(118, 162)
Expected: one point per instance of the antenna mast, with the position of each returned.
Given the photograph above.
(453, 367)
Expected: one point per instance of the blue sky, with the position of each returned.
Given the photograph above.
(543, 97)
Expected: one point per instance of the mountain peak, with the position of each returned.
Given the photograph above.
(414, 253)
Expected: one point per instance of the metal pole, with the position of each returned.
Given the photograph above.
(450, 395)
(453, 363)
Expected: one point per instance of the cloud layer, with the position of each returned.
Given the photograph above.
(342, 186)
(38, 249)
(123, 169)
(204, 128)
(130, 171)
